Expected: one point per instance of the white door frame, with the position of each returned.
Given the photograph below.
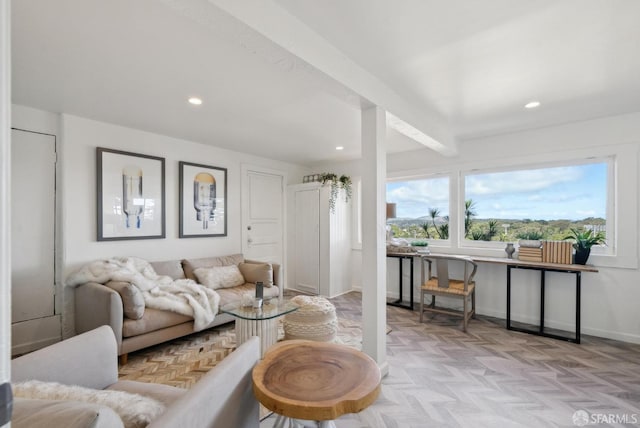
(5, 194)
(244, 169)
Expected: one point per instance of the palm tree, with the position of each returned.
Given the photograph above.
(425, 227)
(469, 207)
(443, 231)
(434, 212)
(493, 229)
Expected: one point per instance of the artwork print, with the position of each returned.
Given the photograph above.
(130, 193)
(203, 197)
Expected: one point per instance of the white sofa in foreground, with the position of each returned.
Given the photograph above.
(222, 398)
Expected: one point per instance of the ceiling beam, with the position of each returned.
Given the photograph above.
(278, 25)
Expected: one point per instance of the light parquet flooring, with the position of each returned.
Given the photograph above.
(492, 377)
(180, 362)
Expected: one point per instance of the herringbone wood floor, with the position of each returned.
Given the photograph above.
(492, 377)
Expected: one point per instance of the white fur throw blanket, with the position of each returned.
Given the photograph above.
(136, 411)
(183, 296)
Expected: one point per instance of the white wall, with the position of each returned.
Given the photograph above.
(77, 142)
(609, 298)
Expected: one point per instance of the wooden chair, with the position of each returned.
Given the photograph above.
(443, 285)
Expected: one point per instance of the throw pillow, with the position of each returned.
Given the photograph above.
(33, 413)
(189, 265)
(172, 268)
(136, 411)
(219, 277)
(254, 272)
(132, 300)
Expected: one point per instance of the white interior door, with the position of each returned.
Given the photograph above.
(33, 174)
(262, 214)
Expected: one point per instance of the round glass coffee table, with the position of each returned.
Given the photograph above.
(261, 322)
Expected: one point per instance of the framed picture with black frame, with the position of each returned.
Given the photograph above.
(203, 200)
(130, 195)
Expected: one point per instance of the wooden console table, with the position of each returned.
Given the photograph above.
(542, 268)
(315, 381)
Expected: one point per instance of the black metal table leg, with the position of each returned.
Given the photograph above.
(578, 280)
(411, 285)
(508, 297)
(399, 303)
(400, 279)
(542, 301)
(539, 331)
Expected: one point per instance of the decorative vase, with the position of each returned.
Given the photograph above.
(582, 255)
(510, 250)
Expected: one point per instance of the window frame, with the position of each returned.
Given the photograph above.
(433, 242)
(609, 160)
(624, 177)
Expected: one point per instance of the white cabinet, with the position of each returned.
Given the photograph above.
(34, 322)
(319, 241)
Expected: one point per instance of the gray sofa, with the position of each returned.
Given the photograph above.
(222, 398)
(106, 304)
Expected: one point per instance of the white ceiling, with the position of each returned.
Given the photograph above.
(475, 64)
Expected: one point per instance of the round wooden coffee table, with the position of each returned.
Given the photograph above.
(315, 381)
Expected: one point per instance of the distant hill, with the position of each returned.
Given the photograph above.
(508, 229)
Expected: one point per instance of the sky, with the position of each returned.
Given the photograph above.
(569, 192)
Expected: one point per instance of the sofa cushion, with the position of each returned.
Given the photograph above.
(254, 272)
(219, 277)
(152, 320)
(132, 300)
(190, 264)
(172, 268)
(234, 294)
(32, 413)
(136, 411)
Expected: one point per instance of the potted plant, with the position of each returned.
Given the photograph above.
(530, 238)
(337, 183)
(584, 240)
(420, 246)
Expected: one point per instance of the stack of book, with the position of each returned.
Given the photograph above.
(530, 254)
(557, 252)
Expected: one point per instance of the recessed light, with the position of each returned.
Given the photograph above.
(532, 104)
(195, 101)
(339, 148)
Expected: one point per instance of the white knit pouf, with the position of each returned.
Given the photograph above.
(314, 320)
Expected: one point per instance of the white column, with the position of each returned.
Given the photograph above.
(5, 187)
(374, 268)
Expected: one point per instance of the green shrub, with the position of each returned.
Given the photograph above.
(531, 235)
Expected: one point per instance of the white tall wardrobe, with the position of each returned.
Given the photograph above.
(319, 241)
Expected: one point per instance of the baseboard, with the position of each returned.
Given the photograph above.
(384, 368)
(28, 336)
(339, 294)
(623, 337)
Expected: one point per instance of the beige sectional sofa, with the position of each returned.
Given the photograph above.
(112, 303)
(221, 398)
